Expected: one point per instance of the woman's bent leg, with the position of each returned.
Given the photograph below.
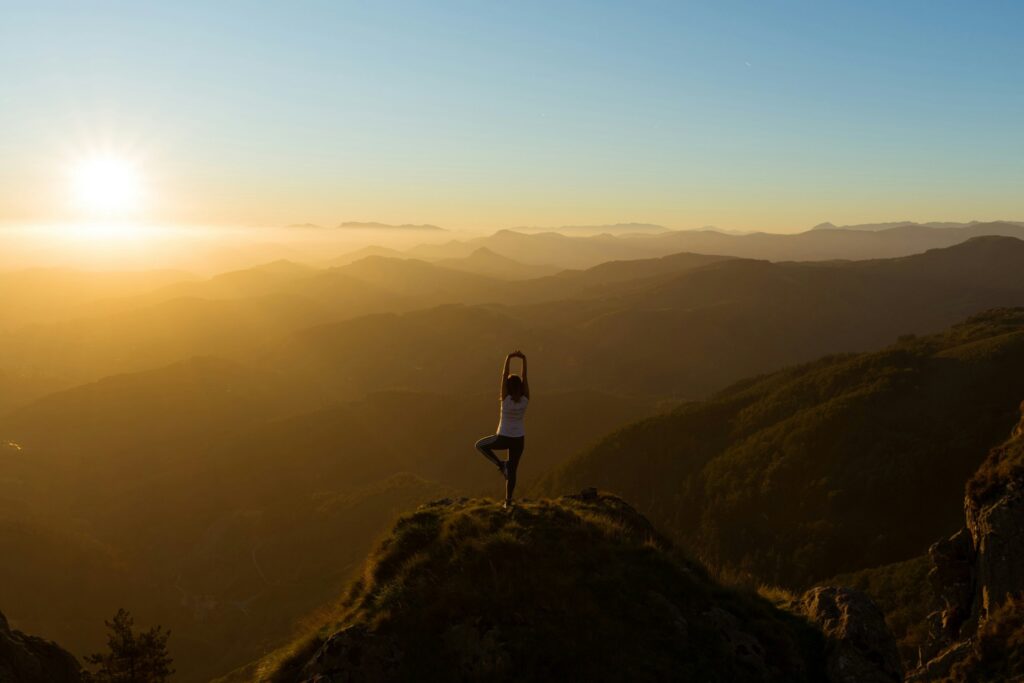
(515, 452)
(487, 445)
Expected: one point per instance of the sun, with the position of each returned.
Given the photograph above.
(106, 185)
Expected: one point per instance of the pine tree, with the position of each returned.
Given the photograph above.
(132, 658)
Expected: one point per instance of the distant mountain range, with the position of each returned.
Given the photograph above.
(823, 243)
(685, 331)
(483, 261)
(875, 227)
(358, 225)
(612, 229)
(699, 322)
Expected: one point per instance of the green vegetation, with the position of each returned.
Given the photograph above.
(131, 657)
(850, 462)
(581, 588)
(1004, 464)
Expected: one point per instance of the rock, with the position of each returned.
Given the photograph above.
(28, 659)
(860, 647)
(952, 578)
(997, 530)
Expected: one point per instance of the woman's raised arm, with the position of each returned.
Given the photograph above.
(503, 391)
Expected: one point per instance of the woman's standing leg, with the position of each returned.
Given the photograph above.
(515, 452)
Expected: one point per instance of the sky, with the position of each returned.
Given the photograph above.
(485, 115)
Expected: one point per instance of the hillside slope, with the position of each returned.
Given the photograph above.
(849, 462)
(579, 588)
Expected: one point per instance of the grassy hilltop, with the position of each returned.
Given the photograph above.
(462, 590)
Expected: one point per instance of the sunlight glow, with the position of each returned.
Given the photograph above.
(106, 185)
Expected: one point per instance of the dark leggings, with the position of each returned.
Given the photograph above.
(514, 446)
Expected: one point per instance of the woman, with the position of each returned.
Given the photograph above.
(511, 436)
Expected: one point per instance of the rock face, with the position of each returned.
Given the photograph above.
(28, 659)
(997, 531)
(860, 648)
(979, 568)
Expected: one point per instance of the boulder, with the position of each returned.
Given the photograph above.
(860, 648)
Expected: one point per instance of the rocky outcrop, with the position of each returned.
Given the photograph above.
(28, 659)
(977, 570)
(860, 648)
(953, 579)
(997, 531)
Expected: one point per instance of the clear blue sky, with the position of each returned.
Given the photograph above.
(769, 115)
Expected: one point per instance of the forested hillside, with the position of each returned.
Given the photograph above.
(851, 461)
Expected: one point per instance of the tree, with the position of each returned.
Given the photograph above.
(133, 658)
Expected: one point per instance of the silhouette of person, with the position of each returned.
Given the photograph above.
(511, 433)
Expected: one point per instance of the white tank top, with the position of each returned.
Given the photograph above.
(512, 416)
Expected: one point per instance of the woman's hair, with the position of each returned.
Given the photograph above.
(514, 384)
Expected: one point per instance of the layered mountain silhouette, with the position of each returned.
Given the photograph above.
(606, 229)
(698, 322)
(855, 242)
(483, 261)
(221, 454)
(679, 334)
